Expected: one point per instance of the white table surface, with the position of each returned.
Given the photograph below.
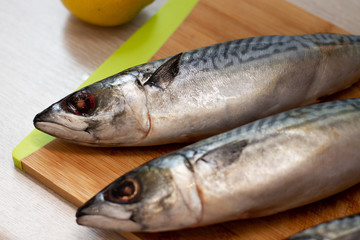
(45, 53)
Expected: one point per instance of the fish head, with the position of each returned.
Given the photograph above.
(150, 198)
(107, 113)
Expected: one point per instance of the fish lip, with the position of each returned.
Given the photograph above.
(82, 215)
(87, 138)
(43, 125)
(36, 124)
(110, 223)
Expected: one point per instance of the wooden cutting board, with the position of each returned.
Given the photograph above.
(77, 173)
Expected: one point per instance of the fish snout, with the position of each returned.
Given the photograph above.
(48, 115)
(42, 117)
(37, 118)
(84, 209)
(99, 213)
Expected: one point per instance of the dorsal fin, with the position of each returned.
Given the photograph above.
(164, 75)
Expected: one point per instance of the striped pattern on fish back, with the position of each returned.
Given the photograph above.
(292, 118)
(343, 228)
(223, 55)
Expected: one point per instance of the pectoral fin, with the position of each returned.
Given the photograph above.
(225, 155)
(165, 74)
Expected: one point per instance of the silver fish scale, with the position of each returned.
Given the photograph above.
(220, 56)
(347, 228)
(293, 118)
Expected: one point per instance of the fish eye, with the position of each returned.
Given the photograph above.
(81, 103)
(126, 191)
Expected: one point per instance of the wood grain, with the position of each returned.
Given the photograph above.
(77, 173)
(344, 14)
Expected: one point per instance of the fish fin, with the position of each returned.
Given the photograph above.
(225, 155)
(164, 75)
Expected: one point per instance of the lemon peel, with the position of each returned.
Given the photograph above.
(106, 12)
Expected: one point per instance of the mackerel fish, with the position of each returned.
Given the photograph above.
(203, 92)
(262, 168)
(347, 228)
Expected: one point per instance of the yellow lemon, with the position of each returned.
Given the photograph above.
(105, 12)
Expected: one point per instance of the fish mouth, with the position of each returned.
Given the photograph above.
(99, 213)
(105, 222)
(46, 122)
(61, 131)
